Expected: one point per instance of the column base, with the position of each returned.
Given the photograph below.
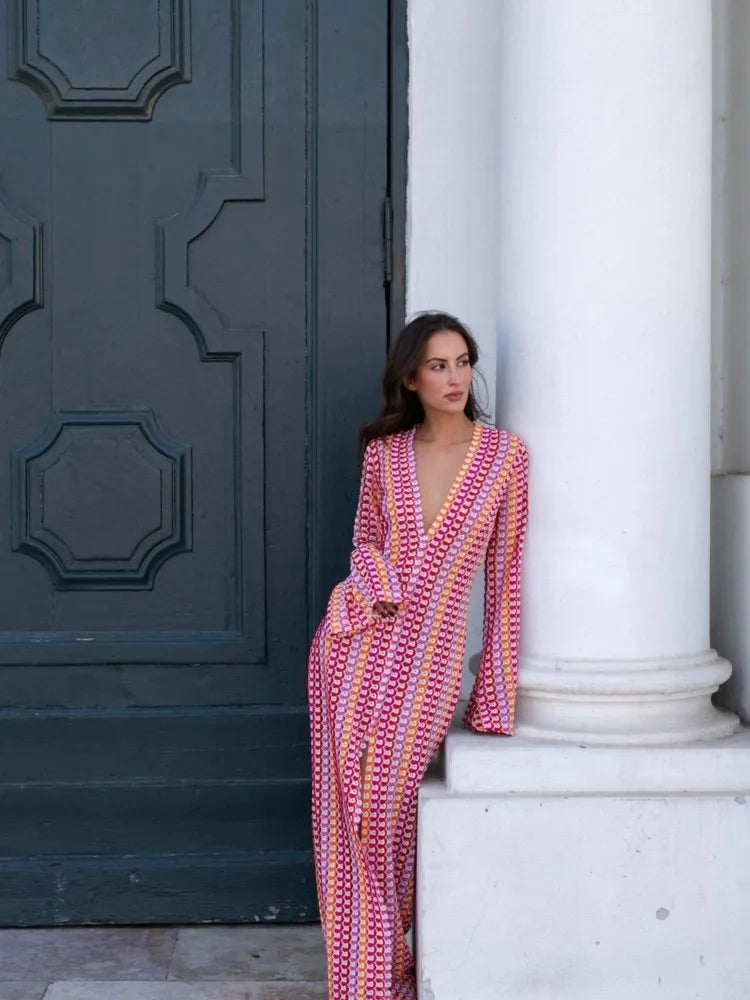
(623, 702)
(553, 871)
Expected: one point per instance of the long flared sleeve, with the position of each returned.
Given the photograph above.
(372, 577)
(491, 707)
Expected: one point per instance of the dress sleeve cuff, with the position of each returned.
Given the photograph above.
(373, 578)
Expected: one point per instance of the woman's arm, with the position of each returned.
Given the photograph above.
(373, 575)
(491, 707)
(367, 526)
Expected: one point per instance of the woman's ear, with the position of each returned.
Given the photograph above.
(408, 383)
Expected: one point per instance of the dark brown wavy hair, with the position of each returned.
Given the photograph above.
(402, 408)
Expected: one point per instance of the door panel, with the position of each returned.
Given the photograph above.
(190, 245)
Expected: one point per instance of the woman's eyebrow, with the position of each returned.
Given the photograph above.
(464, 355)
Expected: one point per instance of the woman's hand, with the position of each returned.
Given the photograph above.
(386, 609)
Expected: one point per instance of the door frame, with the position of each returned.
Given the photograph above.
(333, 461)
(398, 149)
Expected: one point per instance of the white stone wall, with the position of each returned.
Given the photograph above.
(730, 576)
(452, 194)
(452, 197)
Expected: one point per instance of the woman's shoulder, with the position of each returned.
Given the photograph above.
(507, 451)
(503, 437)
(386, 441)
(378, 448)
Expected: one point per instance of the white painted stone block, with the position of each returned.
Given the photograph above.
(585, 884)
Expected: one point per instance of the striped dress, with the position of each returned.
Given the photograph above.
(384, 690)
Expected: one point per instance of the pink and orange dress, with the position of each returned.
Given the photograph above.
(382, 691)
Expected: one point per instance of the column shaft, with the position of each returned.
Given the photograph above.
(604, 358)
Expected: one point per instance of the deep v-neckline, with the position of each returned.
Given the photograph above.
(426, 533)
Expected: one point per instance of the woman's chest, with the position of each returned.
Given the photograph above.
(436, 471)
(441, 498)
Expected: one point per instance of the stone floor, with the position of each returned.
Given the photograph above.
(247, 962)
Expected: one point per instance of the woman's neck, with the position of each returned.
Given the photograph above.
(446, 428)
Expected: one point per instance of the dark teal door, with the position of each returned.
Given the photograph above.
(191, 312)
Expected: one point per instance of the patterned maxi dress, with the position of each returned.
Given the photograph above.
(383, 690)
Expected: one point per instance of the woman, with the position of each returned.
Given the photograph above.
(440, 493)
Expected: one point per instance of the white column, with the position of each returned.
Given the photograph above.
(604, 361)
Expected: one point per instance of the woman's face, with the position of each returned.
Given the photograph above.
(443, 376)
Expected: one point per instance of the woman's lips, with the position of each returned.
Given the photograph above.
(453, 395)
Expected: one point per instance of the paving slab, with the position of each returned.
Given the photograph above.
(186, 991)
(22, 991)
(98, 953)
(249, 952)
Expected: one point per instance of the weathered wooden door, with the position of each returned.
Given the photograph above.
(191, 313)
